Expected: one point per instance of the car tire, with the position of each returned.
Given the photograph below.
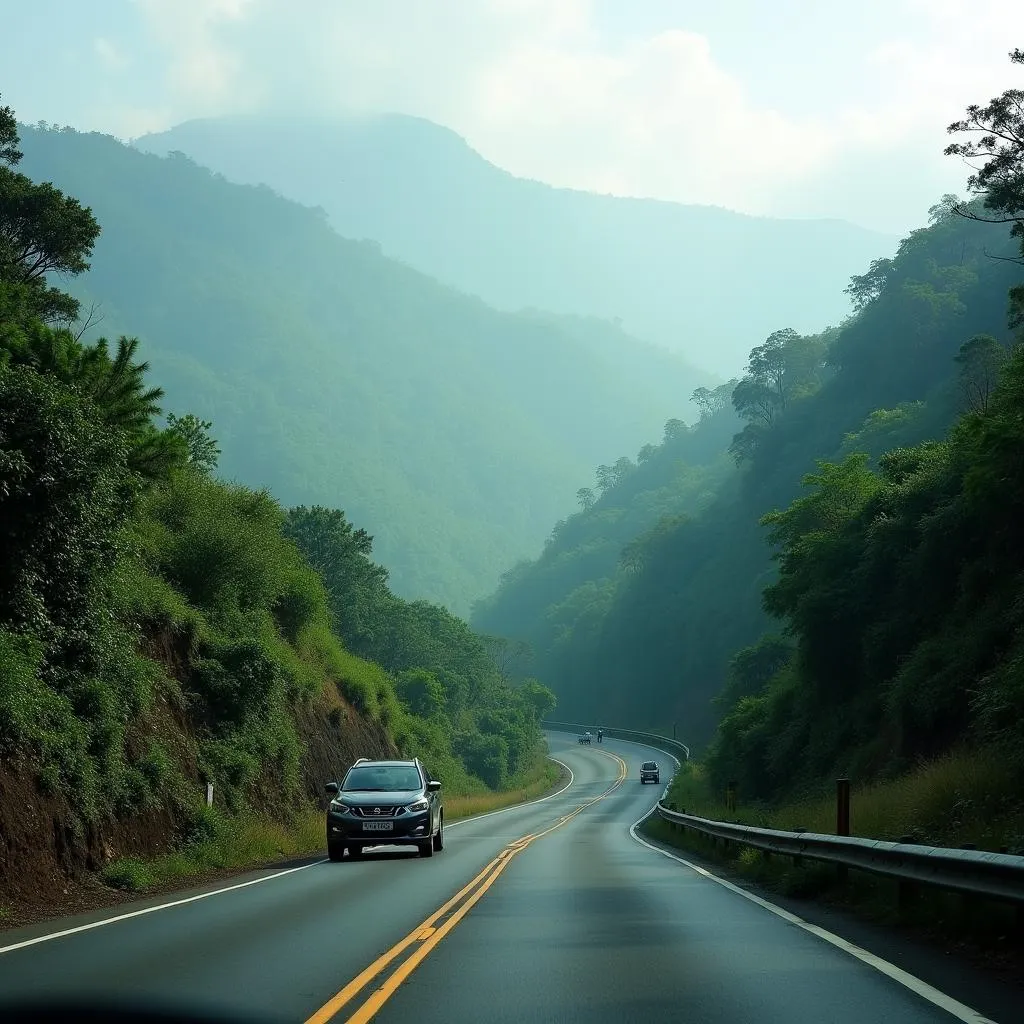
(439, 838)
(355, 851)
(426, 848)
(335, 852)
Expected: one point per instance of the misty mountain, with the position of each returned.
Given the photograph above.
(453, 432)
(701, 280)
(650, 599)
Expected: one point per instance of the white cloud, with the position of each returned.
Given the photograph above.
(204, 71)
(110, 54)
(537, 88)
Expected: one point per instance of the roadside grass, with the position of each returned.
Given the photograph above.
(530, 786)
(955, 801)
(958, 799)
(221, 843)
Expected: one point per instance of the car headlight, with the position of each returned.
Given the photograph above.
(339, 808)
(420, 805)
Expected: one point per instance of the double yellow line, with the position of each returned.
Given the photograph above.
(427, 935)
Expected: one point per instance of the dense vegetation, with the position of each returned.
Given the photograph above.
(159, 626)
(341, 378)
(668, 270)
(897, 588)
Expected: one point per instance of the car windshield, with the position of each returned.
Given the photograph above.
(650, 764)
(381, 778)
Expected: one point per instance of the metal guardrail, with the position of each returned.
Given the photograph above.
(652, 739)
(995, 875)
(998, 876)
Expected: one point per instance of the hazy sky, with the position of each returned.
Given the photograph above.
(787, 107)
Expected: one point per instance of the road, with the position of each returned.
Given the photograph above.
(550, 911)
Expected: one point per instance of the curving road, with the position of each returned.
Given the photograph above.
(550, 911)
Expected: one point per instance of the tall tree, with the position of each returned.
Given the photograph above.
(42, 231)
(203, 450)
(996, 155)
(980, 361)
(9, 152)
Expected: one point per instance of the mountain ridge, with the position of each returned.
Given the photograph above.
(454, 432)
(667, 271)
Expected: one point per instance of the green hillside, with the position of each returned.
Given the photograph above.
(162, 629)
(640, 611)
(669, 271)
(456, 434)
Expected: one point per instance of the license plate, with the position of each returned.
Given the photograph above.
(378, 826)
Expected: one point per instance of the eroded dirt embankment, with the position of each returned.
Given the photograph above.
(50, 855)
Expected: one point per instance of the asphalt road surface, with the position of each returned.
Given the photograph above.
(552, 911)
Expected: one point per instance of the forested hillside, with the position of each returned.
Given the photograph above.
(455, 434)
(160, 627)
(669, 271)
(897, 595)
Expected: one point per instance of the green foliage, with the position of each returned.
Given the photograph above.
(539, 698)
(128, 873)
(42, 231)
(116, 539)
(425, 414)
(341, 555)
(998, 128)
(420, 691)
(9, 152)
(561, 605)
(471, 722)
(203, 450)
(902, 590)
(655, 640)
(980, 361)
(786, 368)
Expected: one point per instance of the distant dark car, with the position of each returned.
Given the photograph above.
(649, 772)
(394, 803)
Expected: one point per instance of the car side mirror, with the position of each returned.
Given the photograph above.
(433, 786)
(331, 789)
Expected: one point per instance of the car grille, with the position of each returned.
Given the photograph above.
(377, 811)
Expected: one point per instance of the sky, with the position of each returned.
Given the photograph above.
(797, 108)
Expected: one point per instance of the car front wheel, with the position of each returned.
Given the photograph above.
(335, 852)
(439, 838)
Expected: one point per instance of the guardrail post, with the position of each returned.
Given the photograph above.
(797, 859)
(906, 891)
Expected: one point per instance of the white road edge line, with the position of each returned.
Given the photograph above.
(254, 881)
(952, 1006)
(152, 910)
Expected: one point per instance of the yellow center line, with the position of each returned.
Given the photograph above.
(430, 933)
